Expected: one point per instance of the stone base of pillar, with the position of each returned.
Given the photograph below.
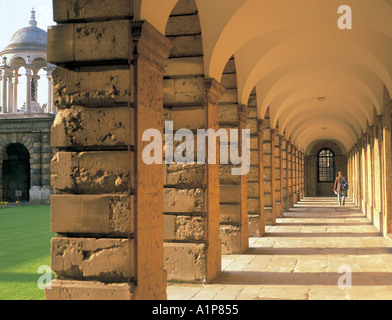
(88, 290)
(40, 195)
(254, 225)
(192, 258)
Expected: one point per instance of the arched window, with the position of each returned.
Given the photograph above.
(326, 161)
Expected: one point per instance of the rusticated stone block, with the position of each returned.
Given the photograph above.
(231, 239)
(230, 193)
(184, 228)
(98, 88)
(92, 214)
(88, 127)
(183, 25)
(186, 118)
(90, 42)
(253, 174)
(226, 176)
(110, 260)
(185, 175)
(190, 228)
(183, 90)
(254, 225)
(183, 200)
(92, 172)
(88, 290)
(186, 46)
(65, 10)
(228, 114)
(253, 206)
(229, 214)
(184, 66)
(185, 261)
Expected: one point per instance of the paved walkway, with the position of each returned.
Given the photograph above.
(301, 257)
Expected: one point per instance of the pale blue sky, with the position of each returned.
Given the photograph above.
(15, 14)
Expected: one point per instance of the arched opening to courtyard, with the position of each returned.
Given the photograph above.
(16, 173)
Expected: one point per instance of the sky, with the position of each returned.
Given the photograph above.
(14, 15)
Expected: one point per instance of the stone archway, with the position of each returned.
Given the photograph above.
(315, 187)
(16, 172)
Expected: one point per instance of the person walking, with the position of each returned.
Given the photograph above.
(340, 188)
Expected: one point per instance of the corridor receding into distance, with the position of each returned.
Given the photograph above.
(302, 88)
(303, 257)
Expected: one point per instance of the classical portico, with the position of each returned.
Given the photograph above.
(25, 124)
(26, 51)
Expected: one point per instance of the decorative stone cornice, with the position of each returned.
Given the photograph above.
(213, 91)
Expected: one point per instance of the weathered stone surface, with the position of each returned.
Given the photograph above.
(191, 118)
(110, 260)
(184, 66)
(185, 262)
(231, 239)
(87, 127)
(229, 214)
(88, 290)
(92, 172)
(184, 200)
(185, 175)
(183, 25)
(186, 46)
(65, 10)
(183, 91)
(88, 42)
(228, 113)
(230, 193)
(92, 214)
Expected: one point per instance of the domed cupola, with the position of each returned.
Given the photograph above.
(30, 38)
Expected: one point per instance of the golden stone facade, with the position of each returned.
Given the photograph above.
(125, 228)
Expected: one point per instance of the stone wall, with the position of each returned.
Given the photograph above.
(33, 132)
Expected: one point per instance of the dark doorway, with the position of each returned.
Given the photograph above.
(16, 172)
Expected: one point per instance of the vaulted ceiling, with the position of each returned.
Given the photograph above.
(318, 81)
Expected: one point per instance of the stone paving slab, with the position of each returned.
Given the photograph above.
(315, 252)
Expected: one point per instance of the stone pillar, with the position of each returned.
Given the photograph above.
(28, 89)
(278, 175)
(268, 168)
(233, 195)
(364, 180)
(269, 177)
(377, 173)
(289, 176)
(294, 173)
(51, 106)
(10, 94)
(255, 185)
(261, 127)
(387, 167)
(370, 173)
(284, 197)
(108, 204)
(35, 161)
(15, 91)
(4, 91)
(358, 173)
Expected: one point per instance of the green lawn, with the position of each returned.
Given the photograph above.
(24, 247)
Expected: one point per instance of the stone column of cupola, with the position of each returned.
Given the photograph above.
(51, 106)
(15, 82)
(4, 73)
(10, 92)
(28, 68)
